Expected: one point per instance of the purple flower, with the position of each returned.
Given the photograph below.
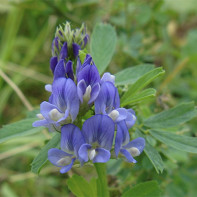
(108, 77)
(75, 48)
(108, 102)
(98, 132)
(131, 149)
(85, 40)
(53, 63)
(108, 99)
(71, 140)
(56, 46)
(126, 148)
(64, 52)
(63, 105)
(64, 69)
(88, 79)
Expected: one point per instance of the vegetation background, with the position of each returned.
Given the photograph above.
(162, 32)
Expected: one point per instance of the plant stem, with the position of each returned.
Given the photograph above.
(102, 186)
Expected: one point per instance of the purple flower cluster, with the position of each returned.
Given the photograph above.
(75, 91)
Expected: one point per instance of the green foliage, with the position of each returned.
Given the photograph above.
(18, 129)
(42, 157)
(142, 82)
(132, 74)
(81, 188)
(147, 189)
(172, 117)
(182, 143)
(102, 45)
(140, 96)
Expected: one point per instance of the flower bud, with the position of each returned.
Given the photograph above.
(74, 40)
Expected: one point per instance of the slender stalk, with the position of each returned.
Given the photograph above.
(17, 90)
(102, 186)
(26, 72)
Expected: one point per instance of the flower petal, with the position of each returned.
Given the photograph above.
(108, 77)
(122, 136)
(108, 99)
(72, 98)
(59, 70)
(55, 155)
(69, 70)
(64, 51)
(53, 63)
(83, 152)
(102, 156)
(85, 40)
(94, 93)
(76, 49)
(45, 123)
(81, 88)
(71, 139)
(65, 96)
(131, 118)
(99, 129)
(78, 67)
(68, 167)
(128, 156)
(122, 114)
(90, 75)
(138, 143)
(45, 108)
(48, 87)
(87, 60)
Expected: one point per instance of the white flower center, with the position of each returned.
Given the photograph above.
(40, 116)
(64, 161)
(86, 96)
(55, 114)
(91, 154)
(114, 115)
(134, 151)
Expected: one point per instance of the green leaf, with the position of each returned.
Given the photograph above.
(18, 129)
(172, 117)
(102, 187)
(33, 113)
(102, 45)
(182, 143)
(141, 96)
(132, 74)
(152, 154)
(40, 160)
(82, 55)
(147, 189)
(142, 82)
(80, 187)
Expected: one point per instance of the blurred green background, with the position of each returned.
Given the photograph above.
(162, 32)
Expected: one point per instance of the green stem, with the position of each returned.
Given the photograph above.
(102, 186)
